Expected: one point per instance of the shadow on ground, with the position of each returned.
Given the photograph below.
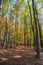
(18, 56)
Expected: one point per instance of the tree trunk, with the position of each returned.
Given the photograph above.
(34, 37)
(6, 36)
(16, 30)
(37, 30)
(25, 31)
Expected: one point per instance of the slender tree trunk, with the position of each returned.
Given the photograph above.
(37, 30)
(10, 40)
(25, 31)
(25, 35)
(32, 24)
(6, 37)
(10, 32)
(16, 30)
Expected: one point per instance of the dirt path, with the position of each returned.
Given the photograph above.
(19, 56)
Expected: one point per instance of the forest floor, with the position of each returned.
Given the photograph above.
(19, 56)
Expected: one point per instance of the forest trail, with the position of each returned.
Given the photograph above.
(19, 56)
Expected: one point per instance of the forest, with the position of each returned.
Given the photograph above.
(21, 32)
